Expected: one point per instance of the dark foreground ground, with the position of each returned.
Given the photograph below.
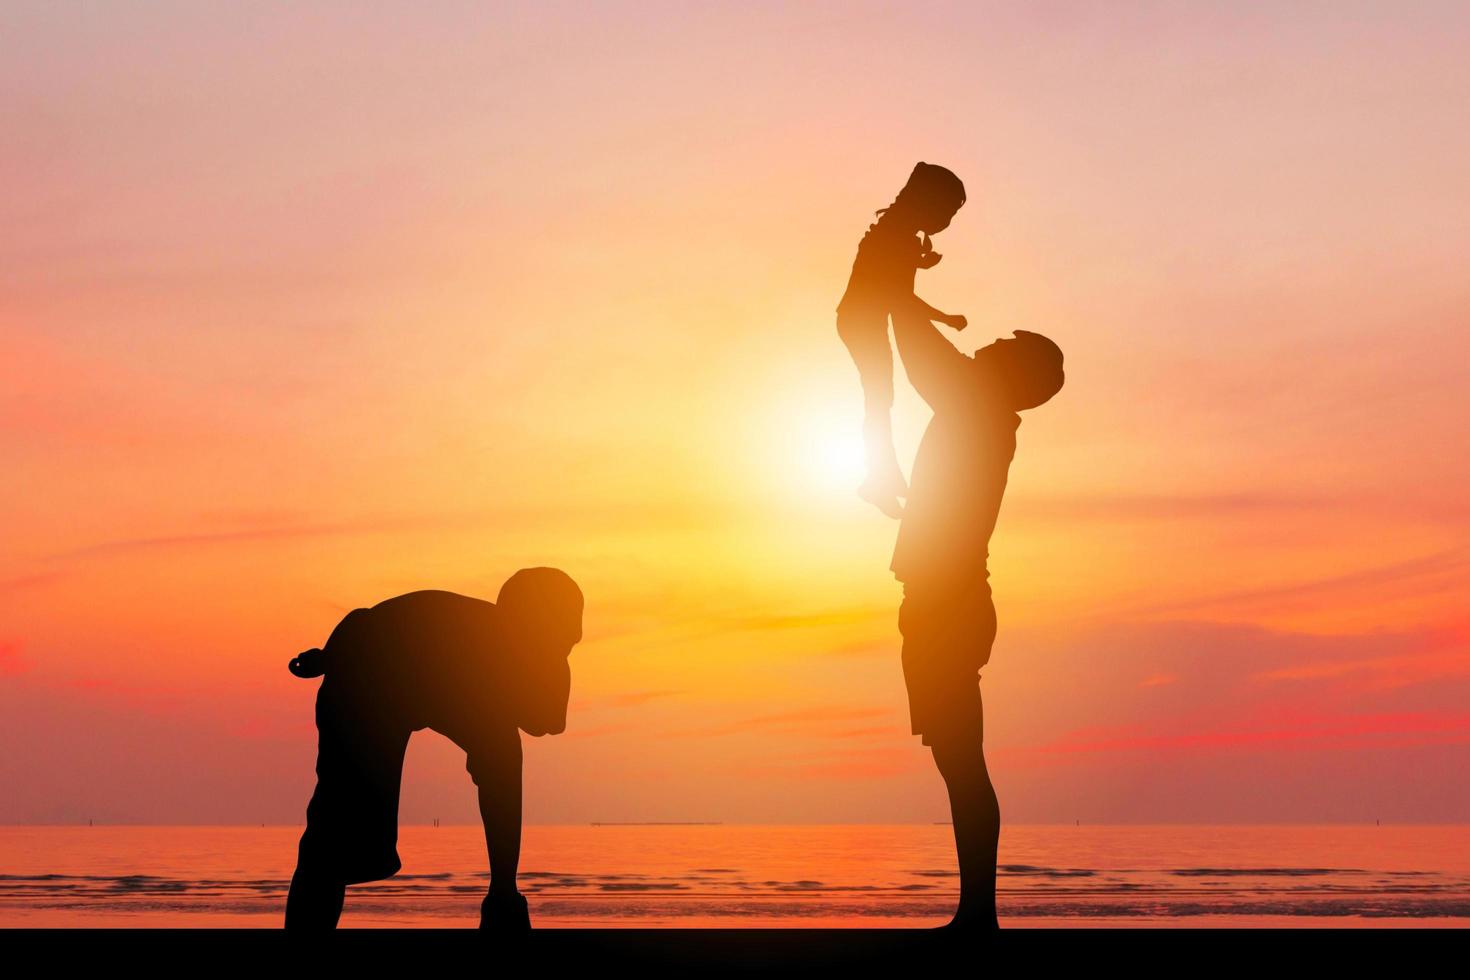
(704, 952)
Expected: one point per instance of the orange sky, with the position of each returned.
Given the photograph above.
(300, 309)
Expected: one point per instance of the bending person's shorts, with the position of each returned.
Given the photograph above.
(947, 636)
(352, 820)
(364, 720)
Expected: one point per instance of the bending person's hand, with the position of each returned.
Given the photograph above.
(311, 663)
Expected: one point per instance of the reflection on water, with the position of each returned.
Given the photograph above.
(689, 876)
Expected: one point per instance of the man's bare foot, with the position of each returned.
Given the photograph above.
(956, 321)
(505, 913)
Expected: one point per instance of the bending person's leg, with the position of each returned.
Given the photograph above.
(352, 820)
(314, 902)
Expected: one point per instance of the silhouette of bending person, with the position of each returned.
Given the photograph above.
(472, 670)
(947, 618)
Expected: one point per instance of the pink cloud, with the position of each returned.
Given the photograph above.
(1339, 731)
(11, 661)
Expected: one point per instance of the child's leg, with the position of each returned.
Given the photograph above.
(882, 455)
(866, 337)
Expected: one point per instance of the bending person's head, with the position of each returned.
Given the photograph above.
(1026, 368)
(541, 613)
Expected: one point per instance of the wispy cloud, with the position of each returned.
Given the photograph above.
(803, 721)
(1436, 571)
(1334, 731)
(249, 535)
(19, 583)
(1123, 507)
(836, 764)
(632, 699)
(1213, 508)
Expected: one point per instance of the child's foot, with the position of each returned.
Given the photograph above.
(884, 495)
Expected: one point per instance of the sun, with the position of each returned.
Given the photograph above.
(840, 457)
(832, 455)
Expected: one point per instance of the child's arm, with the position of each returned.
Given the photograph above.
(928, 259)
(948, 319)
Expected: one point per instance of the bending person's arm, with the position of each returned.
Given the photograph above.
(935, 366)
(546, 688)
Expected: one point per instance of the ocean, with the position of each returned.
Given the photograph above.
(760, 876)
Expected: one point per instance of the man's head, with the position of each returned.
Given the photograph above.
(541, 612)
(1026, 368)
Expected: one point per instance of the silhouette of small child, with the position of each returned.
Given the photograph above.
(894, 248)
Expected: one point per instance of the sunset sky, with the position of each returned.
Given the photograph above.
(305, 306)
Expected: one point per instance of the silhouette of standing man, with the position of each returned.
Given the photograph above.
(947, 618)
(472, 670)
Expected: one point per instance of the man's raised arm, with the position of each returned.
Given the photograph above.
(937, 369)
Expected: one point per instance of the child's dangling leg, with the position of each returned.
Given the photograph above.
(866, 337)
(885, 482)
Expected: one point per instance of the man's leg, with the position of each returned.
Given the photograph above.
(976, 813)
(497, 774)
(946, 640)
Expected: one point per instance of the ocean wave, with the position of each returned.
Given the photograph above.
(1025, 890)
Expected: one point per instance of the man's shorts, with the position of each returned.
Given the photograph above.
(363, 727)
(947, 635)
